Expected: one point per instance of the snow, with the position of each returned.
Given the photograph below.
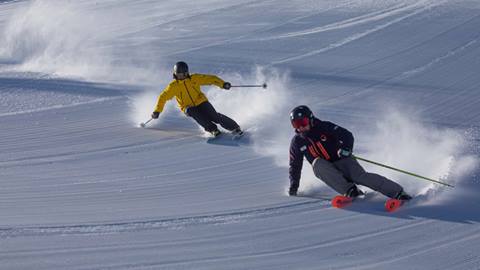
(82, 186)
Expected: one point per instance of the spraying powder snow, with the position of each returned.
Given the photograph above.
(69, 39)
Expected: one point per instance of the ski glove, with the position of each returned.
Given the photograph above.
(344, 153)
(155, 115)
(227, 85)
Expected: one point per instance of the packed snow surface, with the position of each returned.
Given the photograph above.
(82, 186)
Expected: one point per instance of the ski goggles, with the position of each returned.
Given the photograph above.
(302, 122)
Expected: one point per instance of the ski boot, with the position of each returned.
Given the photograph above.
(341, 201)
(237, 132)
(354, 192)
(403, 196)
(395, 203)
(216, 133)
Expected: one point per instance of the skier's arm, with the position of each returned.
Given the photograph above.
(205, 79)
(345, 137)
(296, 163)
(166, 94)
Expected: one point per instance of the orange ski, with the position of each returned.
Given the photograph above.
(341, 201)
(393, 204)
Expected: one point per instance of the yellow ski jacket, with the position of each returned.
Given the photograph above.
(187, 92)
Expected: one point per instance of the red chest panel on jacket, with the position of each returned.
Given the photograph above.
(316, 148)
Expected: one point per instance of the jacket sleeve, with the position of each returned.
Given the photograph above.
(205, 79)
(167, 94)
(345, 137)
(296, 163)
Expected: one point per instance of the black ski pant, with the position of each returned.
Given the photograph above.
(208, 117)
(343, 174)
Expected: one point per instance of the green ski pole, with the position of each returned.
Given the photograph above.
(402, 171)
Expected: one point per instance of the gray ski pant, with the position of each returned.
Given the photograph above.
(341, 175)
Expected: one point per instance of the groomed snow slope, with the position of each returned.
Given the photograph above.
(83, 187)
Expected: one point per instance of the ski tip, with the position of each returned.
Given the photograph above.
(393, 204)
(340, 201)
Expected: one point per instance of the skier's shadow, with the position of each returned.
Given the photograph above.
(226, 139)
(177, 125)
(462, 211)
(419, 208)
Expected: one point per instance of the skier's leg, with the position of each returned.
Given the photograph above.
(353, 170)
(202, 119)
(225, 121)
(329, 174)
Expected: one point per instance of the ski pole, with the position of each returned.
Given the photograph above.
(402, 171)
(144, 124)
(251, 85)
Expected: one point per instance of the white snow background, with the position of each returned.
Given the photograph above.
(82, 186)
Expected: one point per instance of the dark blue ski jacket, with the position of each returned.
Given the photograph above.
(323, 140)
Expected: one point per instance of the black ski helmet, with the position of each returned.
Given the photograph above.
(301, 116)
(180, 68)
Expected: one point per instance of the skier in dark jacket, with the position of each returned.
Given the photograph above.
(328, 148)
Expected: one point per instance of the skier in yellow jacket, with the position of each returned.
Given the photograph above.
(186, 89)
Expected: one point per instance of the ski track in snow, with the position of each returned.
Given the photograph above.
(98, 100)
(245, 38)
(174, 223)
(412, 72)
(426, 42)
(366, 18)
(411, 12)
(293, 251)
(215, 220)
(420, 250)
(436, 61)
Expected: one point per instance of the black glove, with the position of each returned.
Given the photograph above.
(155, 115)
(344, 153)
(227, 85)
(292, 192)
